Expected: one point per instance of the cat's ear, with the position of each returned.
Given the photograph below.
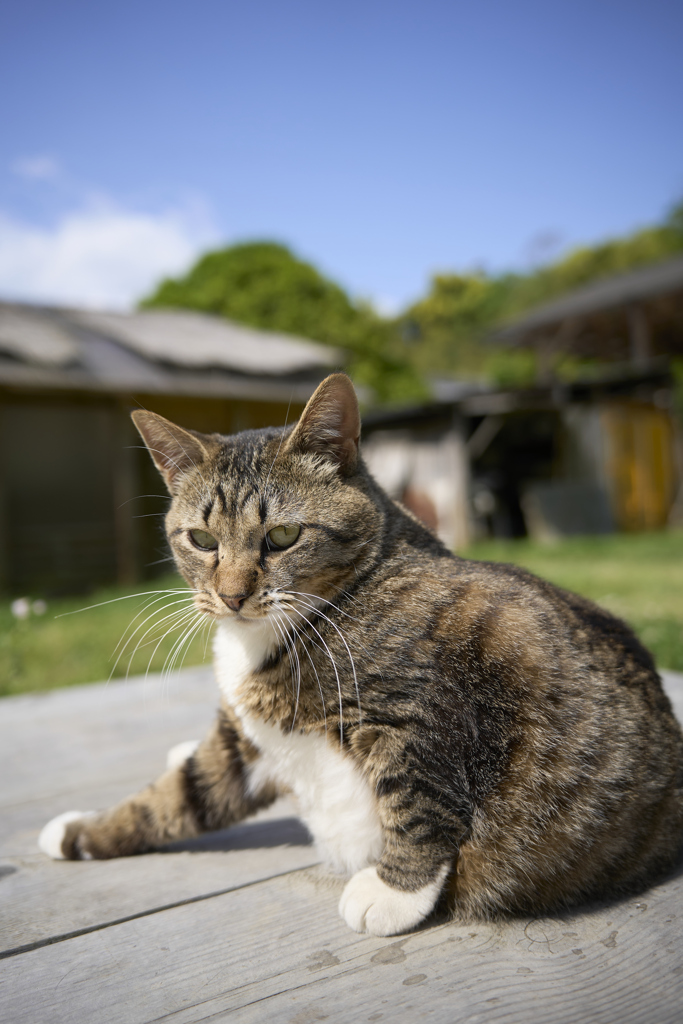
(330, 424)
(174, 449)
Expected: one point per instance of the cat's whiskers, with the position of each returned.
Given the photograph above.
(181, 623)
(346, 593)
(130, 632)
(125, 597)
(181, 617)
(282, 640)
(317, 597)
(208, 623)
(341, 611)
(314, 608)
(302, 638)
(332, 662)
(183, 642)
(291, 649)
(164, 595)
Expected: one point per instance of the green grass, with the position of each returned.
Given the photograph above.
(637, 576)
(60, 648)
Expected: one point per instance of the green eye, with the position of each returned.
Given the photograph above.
(283, 536)
(203, 540)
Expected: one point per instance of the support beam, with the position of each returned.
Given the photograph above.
(639, 336)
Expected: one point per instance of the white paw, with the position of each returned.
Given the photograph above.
(370, 905)
(179, 754)
(52, 835)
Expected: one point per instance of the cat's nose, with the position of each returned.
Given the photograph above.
(234, 601)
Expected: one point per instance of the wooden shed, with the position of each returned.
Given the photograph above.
(633, 321)
(79, 498)
(550, 460)
(627, 318)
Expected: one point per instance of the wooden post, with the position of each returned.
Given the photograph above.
(639, 336)
(545, 358)
(550, 345)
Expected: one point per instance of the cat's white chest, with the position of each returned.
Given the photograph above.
(335, 800)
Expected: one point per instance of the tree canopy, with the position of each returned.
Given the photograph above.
(444, 330)
(265, 285)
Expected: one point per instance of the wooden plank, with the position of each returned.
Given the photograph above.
(42, 899)
(274, 949)
(87, 748)
(92, 745)
(278, 951)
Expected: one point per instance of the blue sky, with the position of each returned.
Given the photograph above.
(383, 141)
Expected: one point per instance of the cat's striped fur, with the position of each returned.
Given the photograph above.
(447, 725)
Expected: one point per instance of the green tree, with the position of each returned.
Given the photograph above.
(444, 332)
(265, 285)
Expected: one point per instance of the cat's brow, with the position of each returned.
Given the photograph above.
(249, 493)
(221, 497)
(330, 531)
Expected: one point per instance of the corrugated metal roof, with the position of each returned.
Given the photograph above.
(650, 282)
(197, 340)
(155, 351)
(29, 336)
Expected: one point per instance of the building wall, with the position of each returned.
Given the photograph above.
(641, 464)
(58, 511)
(81, 503)
(427, 472)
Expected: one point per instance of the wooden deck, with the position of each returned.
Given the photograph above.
(242, 925)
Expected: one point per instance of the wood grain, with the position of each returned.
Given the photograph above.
(277, 951)
(272, 947)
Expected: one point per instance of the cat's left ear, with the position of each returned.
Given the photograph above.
(330, 424)
(175, 451)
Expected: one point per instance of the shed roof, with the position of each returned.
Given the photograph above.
(613, 295)
(162, 351)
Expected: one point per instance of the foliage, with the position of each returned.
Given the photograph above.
(266, 286)
(445, 329)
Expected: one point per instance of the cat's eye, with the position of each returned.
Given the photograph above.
(283, 536)
(203, 540)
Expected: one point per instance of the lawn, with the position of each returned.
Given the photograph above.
(637, 576)
(106, 634)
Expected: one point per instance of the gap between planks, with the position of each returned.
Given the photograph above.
(77, 932)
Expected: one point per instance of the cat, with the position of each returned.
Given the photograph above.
(454, 731)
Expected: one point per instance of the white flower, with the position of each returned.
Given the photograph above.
(21, 608)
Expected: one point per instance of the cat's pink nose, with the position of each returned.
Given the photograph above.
(234, 601)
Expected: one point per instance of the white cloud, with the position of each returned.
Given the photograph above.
(100, 255)
(36, 168)
(386, 305)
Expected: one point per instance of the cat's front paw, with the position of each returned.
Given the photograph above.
(178, 755)
(370, 905)
(51, 839)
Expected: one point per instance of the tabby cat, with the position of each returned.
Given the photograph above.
(449, 728)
